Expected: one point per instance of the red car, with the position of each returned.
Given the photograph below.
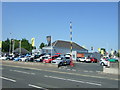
(49, 59)
(94, 60)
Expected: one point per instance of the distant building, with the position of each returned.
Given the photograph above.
(63, 47)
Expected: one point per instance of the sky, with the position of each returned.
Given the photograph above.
(94, 24)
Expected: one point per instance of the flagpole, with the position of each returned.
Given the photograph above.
(10, 45)
(71, 63)
(0, 48)
(13, 45)
(51, 46)
(20, 47)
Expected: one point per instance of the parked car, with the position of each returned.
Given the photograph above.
(10, 57)
(83, 59)
(30, 58)
(36, 56)
(23, 58)
(94, 60)
(104, 62)
(17, 59)
(113, 60)
(3, 58)
(43, 57)
(67, 55)
(49, 59)
(61, 61)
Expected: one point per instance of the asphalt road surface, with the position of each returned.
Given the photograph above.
(17, 76)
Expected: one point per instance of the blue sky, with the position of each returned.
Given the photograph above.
(94, 23)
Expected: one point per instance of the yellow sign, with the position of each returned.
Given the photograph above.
(112, 52)
(99, 49)
(0, 44)
(33, 41)
(102, 52)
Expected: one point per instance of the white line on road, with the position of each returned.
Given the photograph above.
(36, 86)
(85, 71)
(8, 79)
(1, 68)
(73, 70)
(74, 80)
(22, 72)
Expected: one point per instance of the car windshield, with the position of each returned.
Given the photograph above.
(82, 57)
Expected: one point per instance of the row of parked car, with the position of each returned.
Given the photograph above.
(44, 58)
(105, 61)
(87, 59)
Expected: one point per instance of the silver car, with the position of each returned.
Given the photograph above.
(60, 61)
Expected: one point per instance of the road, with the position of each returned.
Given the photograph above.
(17, 76)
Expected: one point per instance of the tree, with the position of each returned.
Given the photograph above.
(42, 45)
(5, 45)
(25, 44)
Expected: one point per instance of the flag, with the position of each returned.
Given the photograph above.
(92, 48)
(33, 42)
(112, 52)
(99, 49)
(0, 44)
(102, 52)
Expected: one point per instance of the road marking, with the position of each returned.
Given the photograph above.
(22, 72)
(8, 79)
(68, 69)
(98, 84)
(77, 74)
(31, 85)
(1, 68)
(73, 70)
(85, 71)
(90, 71)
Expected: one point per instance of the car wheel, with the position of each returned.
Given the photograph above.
(60, 64)
(43, 61)
(102, 64)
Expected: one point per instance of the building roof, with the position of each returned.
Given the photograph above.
(66, 44)
(23, 51)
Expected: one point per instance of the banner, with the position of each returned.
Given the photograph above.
(102, 52)
(112, 52)
(0, 44)
(99, 49)
(33, 42)
(49, 40)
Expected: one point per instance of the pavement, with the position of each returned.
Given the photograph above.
(42, 77)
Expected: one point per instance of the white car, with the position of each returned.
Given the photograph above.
(104, 62)
(23, 59)
(57, 60)
(3, 58)
(61, 61)
(83, 59)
